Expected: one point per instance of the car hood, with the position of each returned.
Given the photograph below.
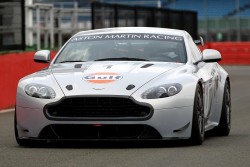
(107, 78)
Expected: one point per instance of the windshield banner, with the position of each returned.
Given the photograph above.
(127, 36)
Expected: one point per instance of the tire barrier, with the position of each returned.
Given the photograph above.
(233, 53)
(14, 66)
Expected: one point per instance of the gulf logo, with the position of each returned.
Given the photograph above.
(102, 77)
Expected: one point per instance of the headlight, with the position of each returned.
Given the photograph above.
(162, 91)
(40, 91)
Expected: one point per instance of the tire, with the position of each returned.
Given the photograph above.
(198, 124)
(224, 127)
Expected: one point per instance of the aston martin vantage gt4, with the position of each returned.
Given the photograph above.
(133, 83)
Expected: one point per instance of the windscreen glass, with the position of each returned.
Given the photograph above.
(118, 47)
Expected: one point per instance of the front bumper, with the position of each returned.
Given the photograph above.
(171, 123)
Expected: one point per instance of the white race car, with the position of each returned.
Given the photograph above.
(132, 83)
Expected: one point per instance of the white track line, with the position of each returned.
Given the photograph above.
(7, 110)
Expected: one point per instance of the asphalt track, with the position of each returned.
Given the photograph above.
(231, 151)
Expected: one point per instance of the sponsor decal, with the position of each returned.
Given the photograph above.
(102, 77)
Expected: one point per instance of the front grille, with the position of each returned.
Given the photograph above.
(97, 107)
(76, 131)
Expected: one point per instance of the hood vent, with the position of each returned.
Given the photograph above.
(109, 67)
(78, 65)
(146, 65)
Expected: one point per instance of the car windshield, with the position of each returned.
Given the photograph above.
(124, 47)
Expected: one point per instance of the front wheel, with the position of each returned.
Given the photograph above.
(198, 125)
(223, 129)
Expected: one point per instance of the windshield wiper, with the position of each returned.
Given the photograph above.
(121, 59)
(71, 61)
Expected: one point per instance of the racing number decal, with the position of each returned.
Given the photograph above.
(102, 77)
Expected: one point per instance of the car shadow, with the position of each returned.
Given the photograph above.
(113, 144)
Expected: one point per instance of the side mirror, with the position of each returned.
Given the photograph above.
(199, 41)
(211, 55)
(42, 56)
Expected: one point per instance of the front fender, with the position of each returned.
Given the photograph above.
(26, 101)
(184, 98)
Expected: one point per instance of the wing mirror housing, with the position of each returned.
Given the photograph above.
(211, 55)
(42, 56)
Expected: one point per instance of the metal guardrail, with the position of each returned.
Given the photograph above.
(47, 22)
(225, 29)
